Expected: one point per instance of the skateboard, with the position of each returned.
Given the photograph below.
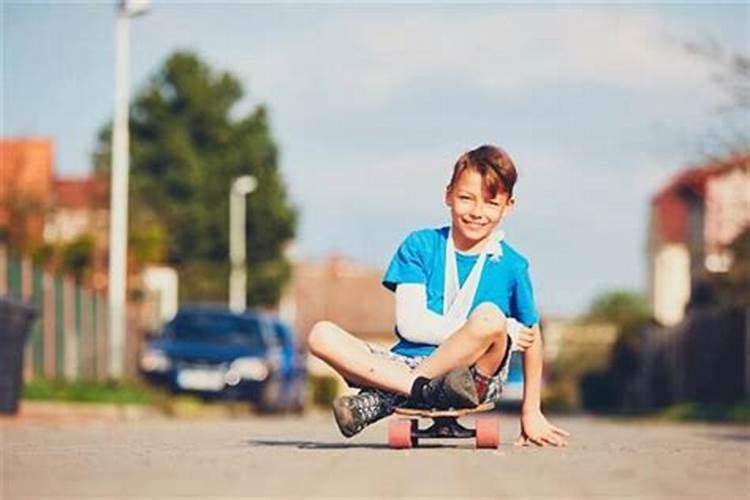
(405, 432)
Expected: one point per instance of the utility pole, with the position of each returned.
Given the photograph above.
(241, 187)
(118, 210)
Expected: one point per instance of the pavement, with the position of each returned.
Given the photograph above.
(150, 456)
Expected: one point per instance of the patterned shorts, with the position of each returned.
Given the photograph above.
(492, 387)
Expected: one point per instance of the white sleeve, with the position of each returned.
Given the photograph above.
(415, 322)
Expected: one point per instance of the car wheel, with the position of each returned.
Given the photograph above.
(299, 401)
(270, 395)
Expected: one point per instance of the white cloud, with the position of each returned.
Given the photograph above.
(508, 50)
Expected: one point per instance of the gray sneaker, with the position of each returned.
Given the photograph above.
(354, 413)
(455, 389)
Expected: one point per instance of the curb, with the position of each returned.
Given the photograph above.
(66, 412)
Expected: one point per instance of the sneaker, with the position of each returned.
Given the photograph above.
(455, 389)
(354, 413)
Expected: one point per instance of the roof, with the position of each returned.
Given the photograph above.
(671, 205)
(80, 193)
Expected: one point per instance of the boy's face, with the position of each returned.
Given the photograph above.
(474, 216)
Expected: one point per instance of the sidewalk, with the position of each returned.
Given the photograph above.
(62, 412)
(44, 412)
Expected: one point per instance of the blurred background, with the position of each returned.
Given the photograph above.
(628, 125)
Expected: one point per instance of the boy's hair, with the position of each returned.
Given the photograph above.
(493, 164)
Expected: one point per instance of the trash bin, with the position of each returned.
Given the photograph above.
(15, 323)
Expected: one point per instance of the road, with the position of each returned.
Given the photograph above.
(292, 457)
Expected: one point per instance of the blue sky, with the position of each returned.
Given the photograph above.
(371, 104)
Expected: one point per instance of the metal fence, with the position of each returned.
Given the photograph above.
(69, 338)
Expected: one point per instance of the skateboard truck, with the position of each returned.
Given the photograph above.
(406, 433)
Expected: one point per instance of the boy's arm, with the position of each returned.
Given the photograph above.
(415, 322)
(532, 373)
(534, 426)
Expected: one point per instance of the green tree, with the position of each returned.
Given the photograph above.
(628, 310)
(186, 149)
(76, 256)
(732, 288)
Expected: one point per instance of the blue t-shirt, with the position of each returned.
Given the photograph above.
(421, 259)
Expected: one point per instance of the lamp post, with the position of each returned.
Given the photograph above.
(241, 187)
(118, 210)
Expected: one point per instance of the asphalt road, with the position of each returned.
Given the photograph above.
(291, 457)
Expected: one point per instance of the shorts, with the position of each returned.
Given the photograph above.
(495, 383)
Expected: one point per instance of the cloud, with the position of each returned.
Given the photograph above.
(374, 57)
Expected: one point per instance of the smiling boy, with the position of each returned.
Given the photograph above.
(464, 303)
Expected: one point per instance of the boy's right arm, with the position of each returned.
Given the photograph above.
(417, 323)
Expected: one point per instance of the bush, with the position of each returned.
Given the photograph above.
(88, 392)
(324, 389)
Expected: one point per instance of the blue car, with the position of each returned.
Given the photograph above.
(217, 354)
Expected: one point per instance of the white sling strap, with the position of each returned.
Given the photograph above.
(457, 300)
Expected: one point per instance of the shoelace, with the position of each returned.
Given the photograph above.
(374, 405)
(369, 406)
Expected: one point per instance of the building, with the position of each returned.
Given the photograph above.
(694, 219)
(26, 172)
(348, 294)
(79, 207)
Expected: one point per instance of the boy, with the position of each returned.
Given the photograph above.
(459, 314)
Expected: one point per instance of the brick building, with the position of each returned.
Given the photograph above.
(345, 293)
(26, 172)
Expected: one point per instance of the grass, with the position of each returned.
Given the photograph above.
(90, 392)
(701, 412)
(128, 393)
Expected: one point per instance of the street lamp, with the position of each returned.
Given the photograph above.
(118, 209)
(241, 187)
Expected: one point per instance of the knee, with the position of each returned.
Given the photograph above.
(487, 321)
(320, 337)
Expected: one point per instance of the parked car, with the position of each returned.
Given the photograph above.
(217, 354)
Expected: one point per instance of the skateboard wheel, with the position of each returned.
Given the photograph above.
(399, 434)
(488, 434)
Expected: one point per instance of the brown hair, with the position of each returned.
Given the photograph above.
(493, 164)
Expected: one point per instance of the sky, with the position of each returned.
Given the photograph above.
(371, 104)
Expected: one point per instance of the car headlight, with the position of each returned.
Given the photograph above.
(249, 368)
(154, 360)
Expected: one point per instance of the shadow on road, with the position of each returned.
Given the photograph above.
(734, 436)
(312, 445)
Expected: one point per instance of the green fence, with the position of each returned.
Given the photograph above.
(68, 339)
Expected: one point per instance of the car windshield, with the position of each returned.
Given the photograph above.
(219, 328)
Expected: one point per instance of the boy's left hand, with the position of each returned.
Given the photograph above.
(535, 429)
(526, 338)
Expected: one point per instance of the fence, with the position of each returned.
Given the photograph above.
(704, 359)
(69, 338)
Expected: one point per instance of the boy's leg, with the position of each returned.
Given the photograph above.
(482, 340)
(490, 363)
(354, 360)
(487, 370)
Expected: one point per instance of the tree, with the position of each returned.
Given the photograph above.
(628, 310)
(732, 74)
(729, 289)
(186, 149)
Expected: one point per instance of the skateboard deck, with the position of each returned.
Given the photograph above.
(405, 432)
(453, 412)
